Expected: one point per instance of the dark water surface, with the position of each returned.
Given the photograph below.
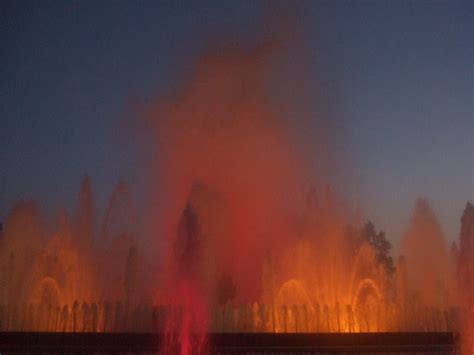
(232, 343)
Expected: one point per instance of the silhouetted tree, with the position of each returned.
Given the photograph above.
(187, 244)
(380, 244)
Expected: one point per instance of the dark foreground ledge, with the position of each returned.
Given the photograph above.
(26, 342)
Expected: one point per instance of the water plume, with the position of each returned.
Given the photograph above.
(427, 259)
(85, 215)
(248, 235)
(223, 131)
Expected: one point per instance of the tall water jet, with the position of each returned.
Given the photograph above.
(22, 240)
(222, 129)
(187, 323)
(85, 215)
(427, 259)
(115, 242)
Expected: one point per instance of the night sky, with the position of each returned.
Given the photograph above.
(403, 72)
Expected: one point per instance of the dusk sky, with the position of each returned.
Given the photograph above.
(403, 72)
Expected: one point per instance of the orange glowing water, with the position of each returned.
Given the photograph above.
(230, 200)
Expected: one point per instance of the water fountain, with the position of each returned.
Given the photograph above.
(231, 209)
(61, 293)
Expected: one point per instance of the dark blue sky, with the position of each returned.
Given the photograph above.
(404, 82)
